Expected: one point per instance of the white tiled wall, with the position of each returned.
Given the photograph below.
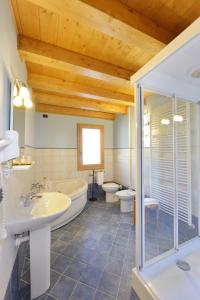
(21, 181)
(122, 165)
(62, 163)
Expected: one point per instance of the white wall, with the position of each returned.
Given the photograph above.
(56, 146)
(121, 132)
(59, 131)
(19, 182)
(124, 149)
(29, 137)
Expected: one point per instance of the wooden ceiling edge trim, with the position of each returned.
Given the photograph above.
(35, 51)
(77, 102)
(15, 13)
(63, 86)
(53, 109)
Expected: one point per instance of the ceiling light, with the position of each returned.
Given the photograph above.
(17, 101)
(178, 118)
(165, 121)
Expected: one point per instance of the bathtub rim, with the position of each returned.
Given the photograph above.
(73, 195)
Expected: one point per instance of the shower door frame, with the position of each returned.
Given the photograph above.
(140, 210)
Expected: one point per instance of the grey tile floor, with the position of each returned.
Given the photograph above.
(92, 257)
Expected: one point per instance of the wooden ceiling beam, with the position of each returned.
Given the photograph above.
(129, 16)
(62, 86)
(103, 22)
(35, 51)
(77, 102)
(52, 109)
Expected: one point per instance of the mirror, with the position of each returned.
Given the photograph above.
(19, 124)
(5, 102)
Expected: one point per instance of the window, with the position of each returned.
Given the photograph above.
(90, 146)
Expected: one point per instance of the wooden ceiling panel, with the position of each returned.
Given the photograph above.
(103, 43)
(42, 82)
(85, 40)
(91, 17)
(173, 15)
(77, 102)
(49, 23)
(33, 50)
(28, 18)
(121, 86)
(122, 12)
(73, 35)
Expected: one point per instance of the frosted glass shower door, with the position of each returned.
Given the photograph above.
(158, 175)
(186, 124)
(170, 174)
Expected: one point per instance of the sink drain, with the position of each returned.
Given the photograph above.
(183, 265)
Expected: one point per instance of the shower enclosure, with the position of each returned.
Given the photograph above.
(168, 171)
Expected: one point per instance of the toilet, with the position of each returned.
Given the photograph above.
(126, 200)
(110, 189)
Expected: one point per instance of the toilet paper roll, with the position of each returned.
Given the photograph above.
(100, 177)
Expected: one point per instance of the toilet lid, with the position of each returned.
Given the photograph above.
(111, 185)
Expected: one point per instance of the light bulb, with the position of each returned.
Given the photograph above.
(178, 118)
(28, 103)
(165, 122)
(17, 101)
(15, 91)
(24, 92)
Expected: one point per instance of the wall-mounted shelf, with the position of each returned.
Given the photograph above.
(23, 167)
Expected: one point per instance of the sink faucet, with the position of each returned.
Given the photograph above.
(27, 200)
(37, 187)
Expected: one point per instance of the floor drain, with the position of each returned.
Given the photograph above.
(183, 265)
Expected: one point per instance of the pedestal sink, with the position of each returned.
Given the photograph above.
(36, 219)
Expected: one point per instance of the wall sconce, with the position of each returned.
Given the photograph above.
(21, 95)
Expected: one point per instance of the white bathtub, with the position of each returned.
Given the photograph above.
(76, 189)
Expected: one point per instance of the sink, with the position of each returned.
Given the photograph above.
(36, 219)
(44, 209)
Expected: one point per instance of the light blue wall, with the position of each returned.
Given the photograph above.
(59, 131)
(121, 132)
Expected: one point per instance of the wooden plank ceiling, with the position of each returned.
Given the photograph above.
(80, 54)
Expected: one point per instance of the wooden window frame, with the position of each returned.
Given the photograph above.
(79, 147)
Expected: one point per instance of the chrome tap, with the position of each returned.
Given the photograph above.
(28, 199)
(37, 187)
